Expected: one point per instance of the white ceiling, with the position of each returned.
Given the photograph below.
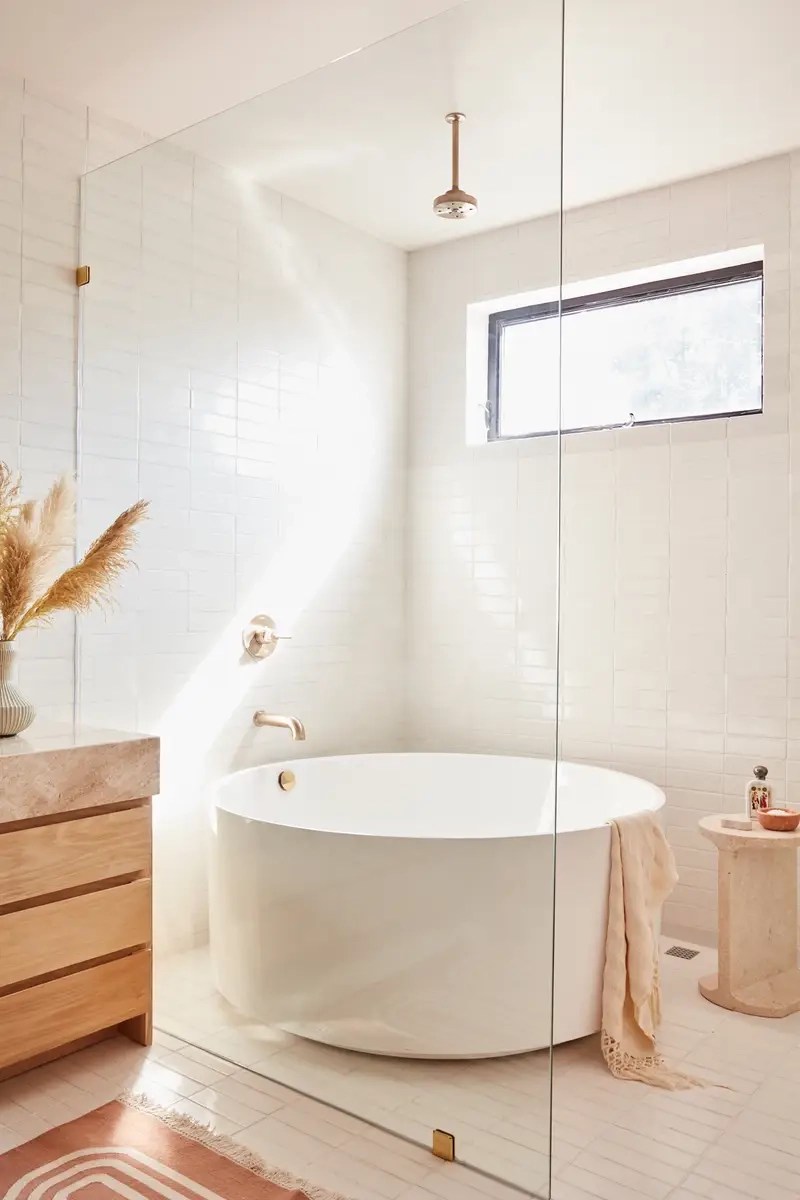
(163, 64)
(365, 139)
(653, 92)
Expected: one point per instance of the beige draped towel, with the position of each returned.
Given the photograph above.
(642, 876)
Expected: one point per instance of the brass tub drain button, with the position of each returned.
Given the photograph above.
(286, 781)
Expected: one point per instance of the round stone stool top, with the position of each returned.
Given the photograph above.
(740, 839)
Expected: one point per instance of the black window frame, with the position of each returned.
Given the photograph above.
(652, 290)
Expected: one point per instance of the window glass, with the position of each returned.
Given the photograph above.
(677, 351)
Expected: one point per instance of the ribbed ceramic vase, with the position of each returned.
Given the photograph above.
(16, 713)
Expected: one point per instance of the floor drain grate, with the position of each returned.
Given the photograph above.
(682, 952)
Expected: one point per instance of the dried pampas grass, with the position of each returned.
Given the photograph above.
(9, 492)
(90, 580)
(34, 536)
(18, 573)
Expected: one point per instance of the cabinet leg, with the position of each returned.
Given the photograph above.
(139, 1029)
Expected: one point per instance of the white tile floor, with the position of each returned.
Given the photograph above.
(611, 1140)
(288, 1130)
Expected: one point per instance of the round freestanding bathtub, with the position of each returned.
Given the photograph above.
(402, 904)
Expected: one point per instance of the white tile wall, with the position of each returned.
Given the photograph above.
(242, 367)
(243, 370)
(680, 590)
(45, 144)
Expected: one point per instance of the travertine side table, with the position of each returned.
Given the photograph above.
(757, 970)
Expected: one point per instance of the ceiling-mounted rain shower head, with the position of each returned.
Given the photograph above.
(454, 204)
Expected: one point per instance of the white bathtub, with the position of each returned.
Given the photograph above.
(402, 903)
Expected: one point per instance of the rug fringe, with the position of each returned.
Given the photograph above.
(225, 1146)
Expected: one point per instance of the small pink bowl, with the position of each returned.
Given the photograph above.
(779, 821)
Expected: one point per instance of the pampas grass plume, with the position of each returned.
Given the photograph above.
(34, 536)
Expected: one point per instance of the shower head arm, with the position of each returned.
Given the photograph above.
(455, 119)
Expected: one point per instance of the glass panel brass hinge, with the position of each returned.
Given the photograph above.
(443, 1145)
(82, 276)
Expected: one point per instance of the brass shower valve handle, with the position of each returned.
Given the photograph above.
(260, 638)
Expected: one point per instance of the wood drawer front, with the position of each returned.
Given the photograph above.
(52, 1014)
(47, 938)
(70, 854)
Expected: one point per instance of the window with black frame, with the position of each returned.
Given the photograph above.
(679, 349)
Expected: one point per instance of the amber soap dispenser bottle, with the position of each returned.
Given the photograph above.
(758, 796)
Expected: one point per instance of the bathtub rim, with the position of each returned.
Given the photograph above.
(217, 791)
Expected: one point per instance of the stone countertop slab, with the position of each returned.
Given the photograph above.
(67, 769)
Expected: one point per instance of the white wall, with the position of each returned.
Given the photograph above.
(680, 599)
(243, 370)
(45, 144)
(680, 589)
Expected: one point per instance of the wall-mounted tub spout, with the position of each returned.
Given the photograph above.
(293, 724)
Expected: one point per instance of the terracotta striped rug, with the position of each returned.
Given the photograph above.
(134, 1150)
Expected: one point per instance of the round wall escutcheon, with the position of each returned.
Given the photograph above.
(260, 638)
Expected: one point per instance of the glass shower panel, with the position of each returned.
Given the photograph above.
(677, 578)
(482, 571)
(344, 623)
